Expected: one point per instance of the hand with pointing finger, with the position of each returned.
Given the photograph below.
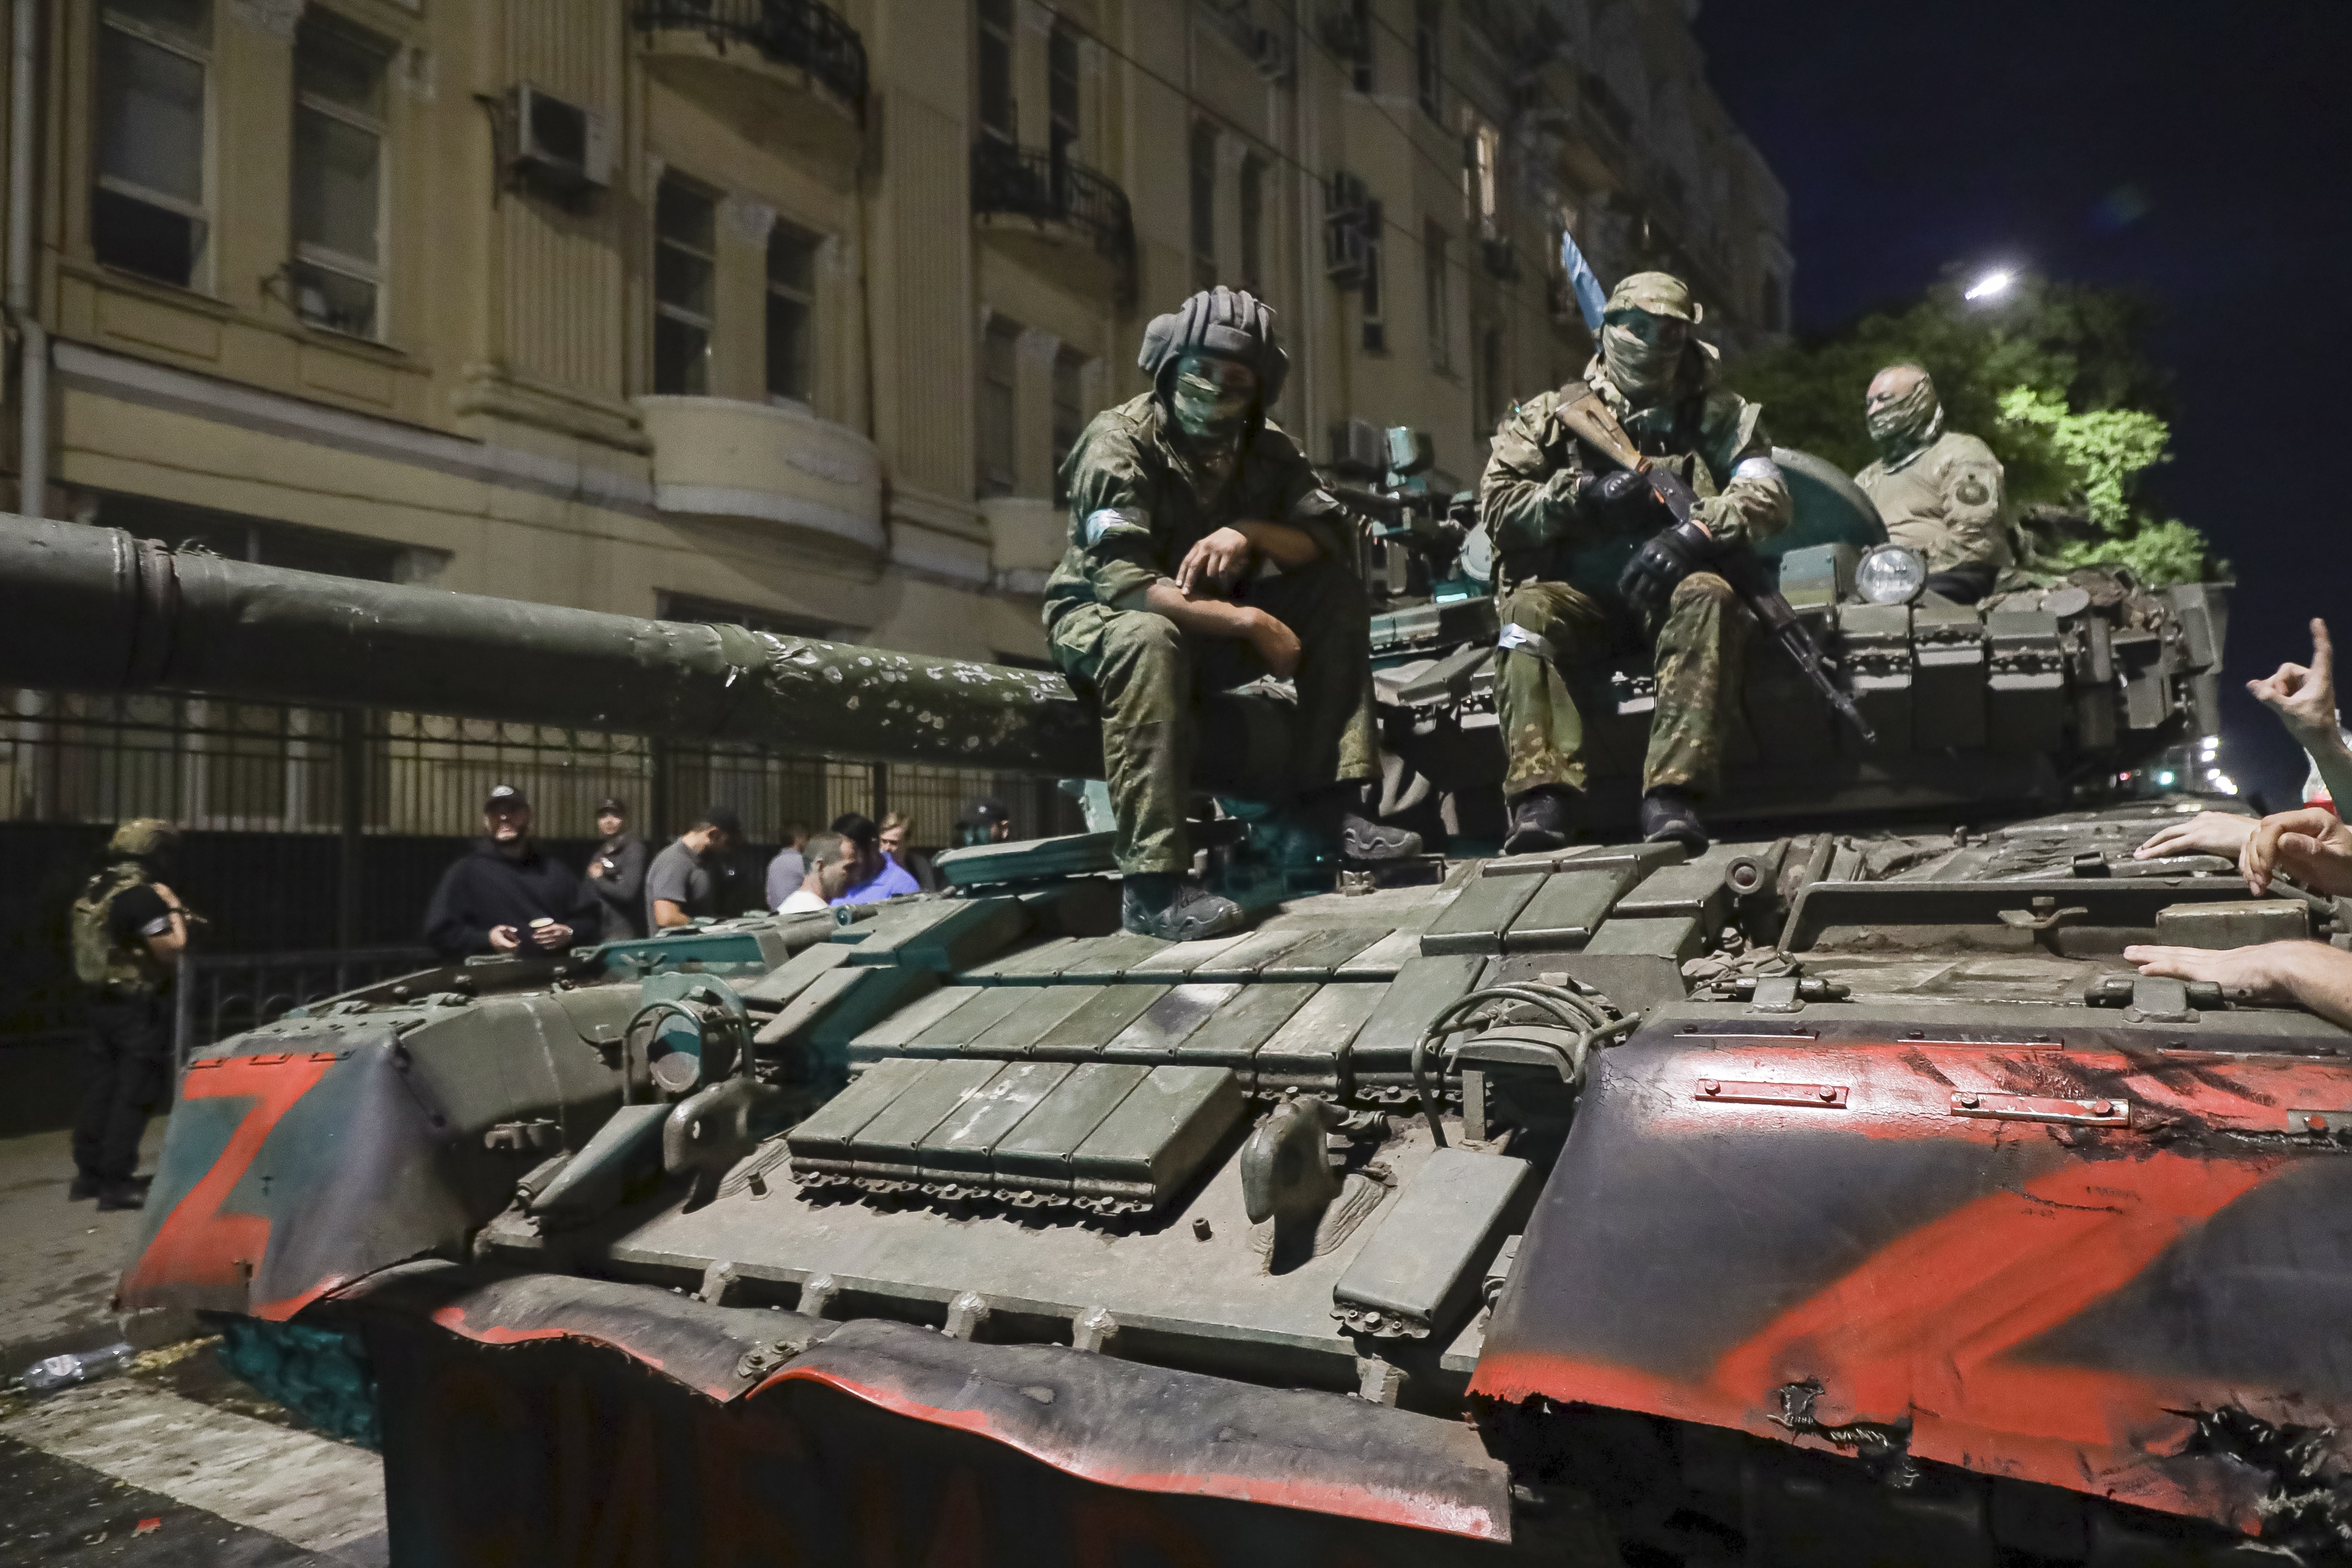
(2304, 697)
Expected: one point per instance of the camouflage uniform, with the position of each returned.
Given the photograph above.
(1558, 566)
(1137, 505)
(1944, 500)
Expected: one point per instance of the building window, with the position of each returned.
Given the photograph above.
(1205, 205)
(1252, 235)
(1776, 303)
(1359, 28)
(338, 271)
(998, 115)
(1435, 288)
(1376, 331)
(1428, 65)
(684, 256)
(791, 311)
(1482, 151)
(998, 355)
(147, 213)
(1069, 414)
(264, 544)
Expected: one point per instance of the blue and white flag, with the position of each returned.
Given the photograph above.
(1590, 296)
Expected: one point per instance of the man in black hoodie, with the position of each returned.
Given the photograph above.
(506, 895)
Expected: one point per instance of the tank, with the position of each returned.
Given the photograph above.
(1835, 1195)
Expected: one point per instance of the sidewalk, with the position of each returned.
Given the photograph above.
(63, 1257)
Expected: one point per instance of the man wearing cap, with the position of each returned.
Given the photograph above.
(616, 872)
(1588, 559)
(985, 821)
(681, 886)
(1204, 554)
(1940, 491)
(505, 896)
(128, 932)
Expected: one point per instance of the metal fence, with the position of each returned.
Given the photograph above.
(215, 995)
(214, 766)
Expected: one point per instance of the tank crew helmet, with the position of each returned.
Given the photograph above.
(1186, 352)
(147, 838)
(1902, 409)
(1645, 329)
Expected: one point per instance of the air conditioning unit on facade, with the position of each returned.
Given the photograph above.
(557, 145)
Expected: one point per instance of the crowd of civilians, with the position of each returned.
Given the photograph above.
(509, 894)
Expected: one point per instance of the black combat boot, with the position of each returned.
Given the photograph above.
(114, 1196)
(1542, 818)
(1668, 815)
(1332, 823)
(85, 1185)
(1162, 904)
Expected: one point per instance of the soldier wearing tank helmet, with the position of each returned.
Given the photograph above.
(1588, 560)
(1939, 491)
(129, 929)
(1204, 553)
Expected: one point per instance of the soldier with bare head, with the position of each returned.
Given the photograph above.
(1589, 561)
(1204, 553)
(1939, 491)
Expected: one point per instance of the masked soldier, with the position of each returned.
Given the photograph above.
(1203, 554)
(1588, 559)
(128, 931)
(1939, 491)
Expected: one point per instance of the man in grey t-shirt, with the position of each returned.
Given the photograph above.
(787, 869)
(679, 884)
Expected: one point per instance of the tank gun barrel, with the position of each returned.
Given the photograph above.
(94, 609)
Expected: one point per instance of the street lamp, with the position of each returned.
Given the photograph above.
(1991, 286)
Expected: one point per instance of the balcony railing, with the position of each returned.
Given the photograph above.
(799, 32)
(1051, 187)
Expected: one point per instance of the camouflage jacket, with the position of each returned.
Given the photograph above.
(1944, 500)
(1134, 512)
(1713, 438)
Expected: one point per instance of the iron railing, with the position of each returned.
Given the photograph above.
(219, 994)
(800, 33)
(1051, 187)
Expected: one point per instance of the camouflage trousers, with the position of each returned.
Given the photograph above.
(1146, 679)
(1699, 647)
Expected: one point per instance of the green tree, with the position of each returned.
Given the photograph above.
(2052, 376)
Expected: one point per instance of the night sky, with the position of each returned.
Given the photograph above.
(2202, 151)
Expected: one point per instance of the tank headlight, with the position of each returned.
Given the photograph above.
(1890, 574)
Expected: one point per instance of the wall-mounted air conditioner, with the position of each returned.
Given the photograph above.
(557, 145)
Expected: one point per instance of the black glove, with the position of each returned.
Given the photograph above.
(1672, 554)
(1622, 497)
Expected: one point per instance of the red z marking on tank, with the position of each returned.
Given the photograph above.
(198, 1244)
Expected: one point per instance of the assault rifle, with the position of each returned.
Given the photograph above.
(1591, 419)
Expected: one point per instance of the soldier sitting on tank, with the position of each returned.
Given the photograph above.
(1204, 554)
(1588, 560)
(1938, 491)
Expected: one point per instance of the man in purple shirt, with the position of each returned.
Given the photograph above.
(879, 875)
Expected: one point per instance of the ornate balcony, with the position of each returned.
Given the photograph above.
(1057, 214)
(772, 468)
(786, 72)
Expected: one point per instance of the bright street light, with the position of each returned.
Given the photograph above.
(1989, 286)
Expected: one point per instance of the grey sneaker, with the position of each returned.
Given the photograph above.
(1158, 903)
(1362, 840)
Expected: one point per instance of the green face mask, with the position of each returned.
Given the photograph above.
(1212, 397)
(1637, 365)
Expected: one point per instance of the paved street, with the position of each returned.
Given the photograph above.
(174, 1462)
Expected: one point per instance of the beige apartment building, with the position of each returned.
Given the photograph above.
(769, 308)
